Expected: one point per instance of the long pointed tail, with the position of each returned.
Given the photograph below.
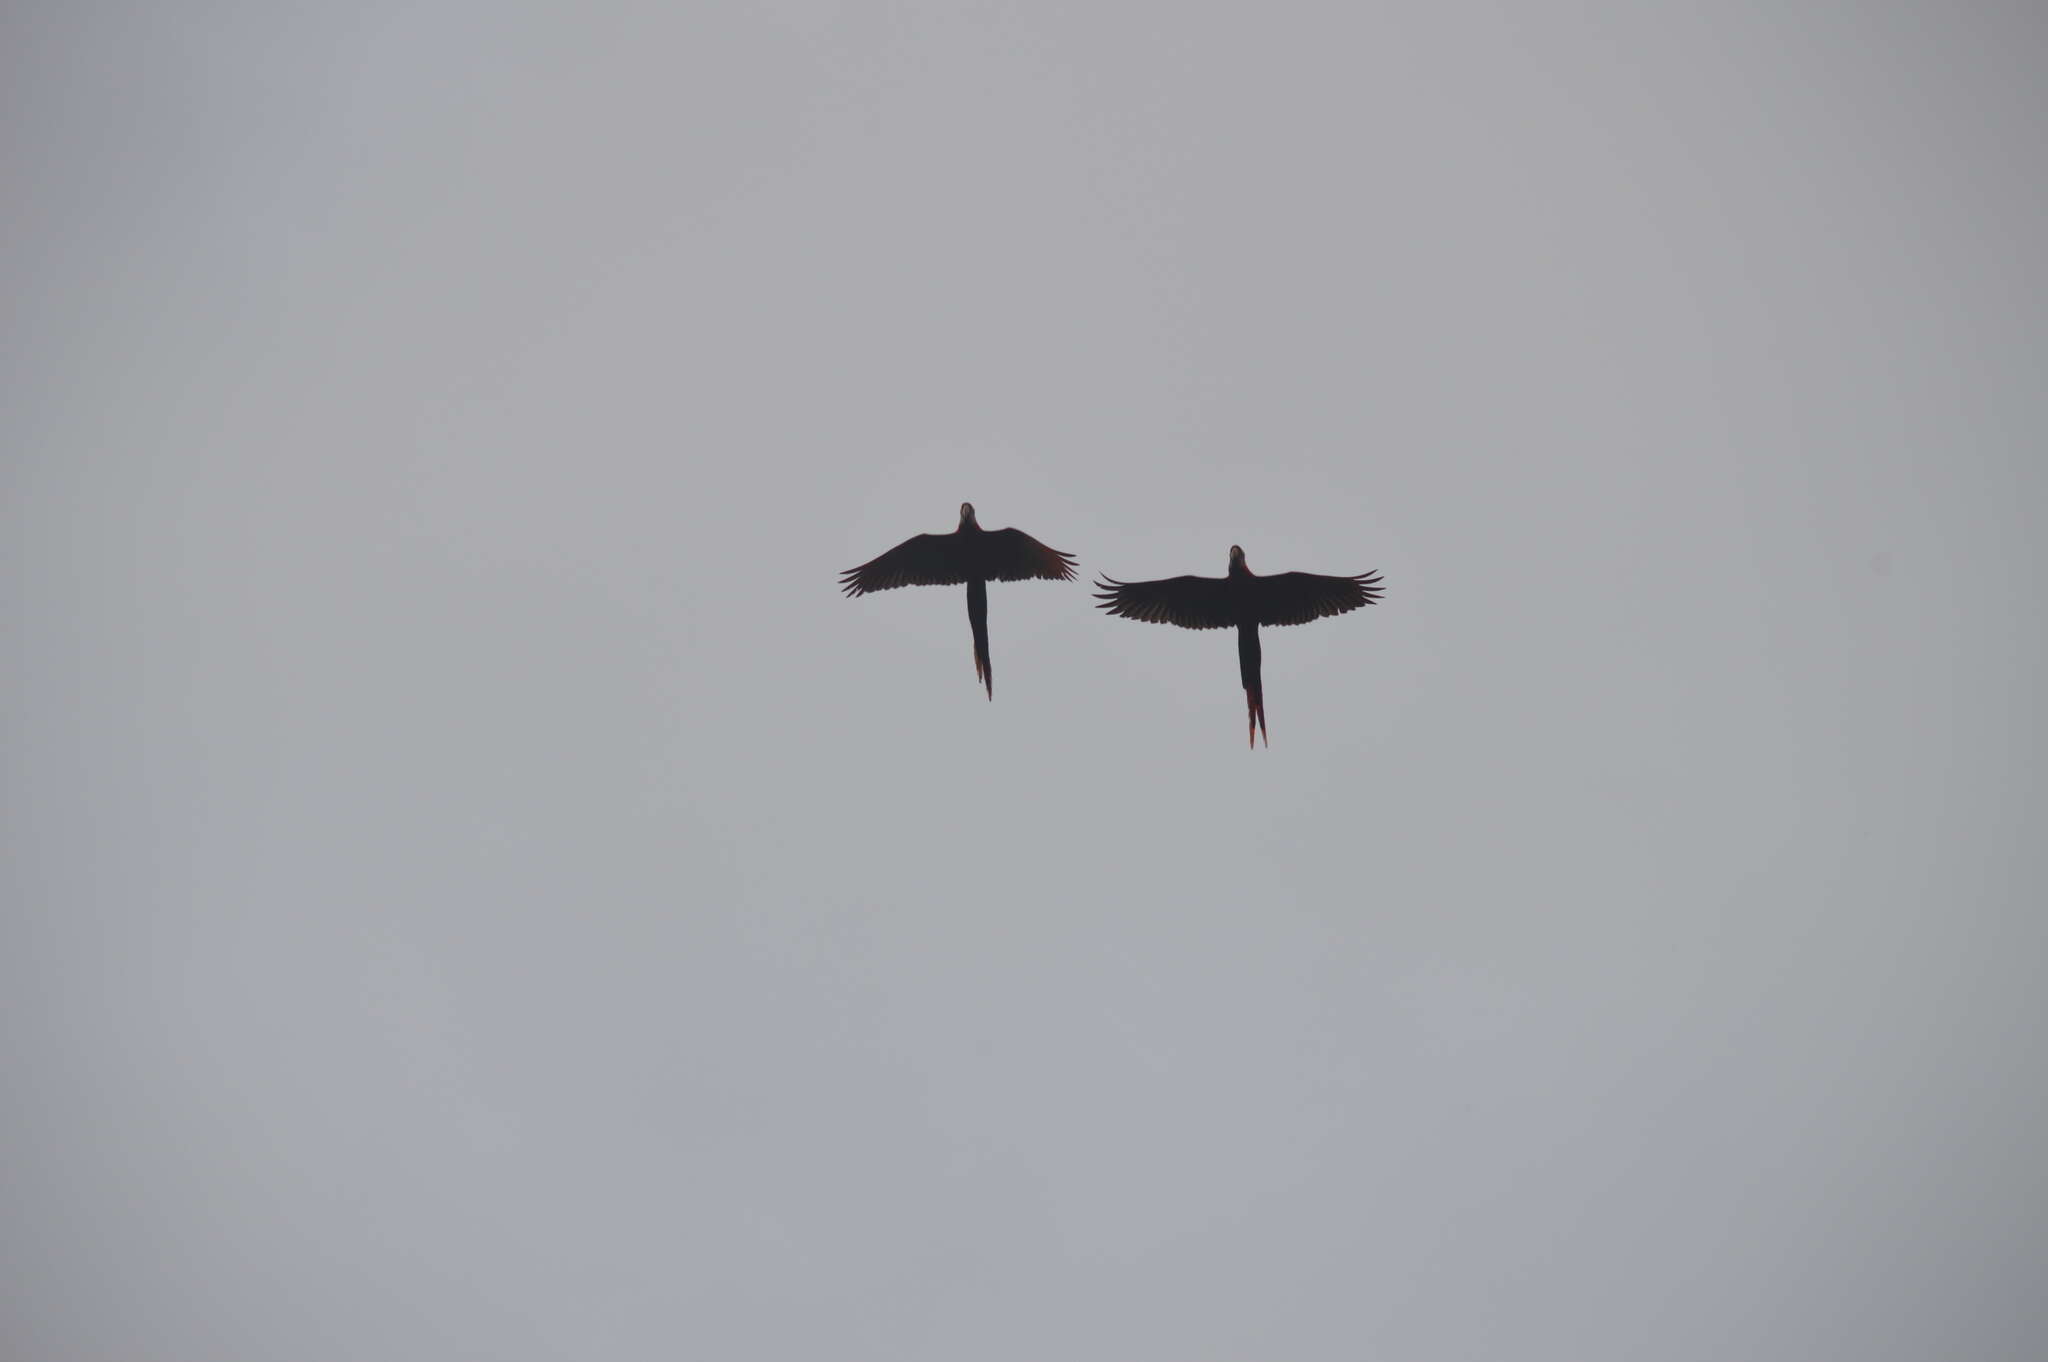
(1254, 691)
(977, 617)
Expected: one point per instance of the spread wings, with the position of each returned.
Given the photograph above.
(921, 560)
(950, 559)
(1298, 597)
(1219, 602)
(1190, 602)
(1012, 556)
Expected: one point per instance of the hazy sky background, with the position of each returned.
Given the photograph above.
(474, 889)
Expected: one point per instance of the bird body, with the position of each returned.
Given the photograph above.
(1244, 600)
(971, 555)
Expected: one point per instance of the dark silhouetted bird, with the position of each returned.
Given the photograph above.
(1243, 599)
(969, 554)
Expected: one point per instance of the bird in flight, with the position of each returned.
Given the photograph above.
(969, 554)
(1246, 600)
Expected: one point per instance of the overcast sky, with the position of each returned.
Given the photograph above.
(474, 889)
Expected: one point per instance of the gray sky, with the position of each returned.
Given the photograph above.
(474, 888)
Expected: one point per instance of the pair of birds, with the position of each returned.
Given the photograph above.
(1243, 599)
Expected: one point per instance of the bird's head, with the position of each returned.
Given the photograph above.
(1237, 563)
(967, 513)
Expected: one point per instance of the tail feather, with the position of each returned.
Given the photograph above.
(1254, 690)
(977, 619)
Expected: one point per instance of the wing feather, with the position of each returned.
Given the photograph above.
(1190, 602)
(921, 560)
(1298, 597)
(1014, 556)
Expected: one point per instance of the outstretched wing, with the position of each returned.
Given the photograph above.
(921, 560)
(1190, 602)
(1298, 597)
(1012, 556)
